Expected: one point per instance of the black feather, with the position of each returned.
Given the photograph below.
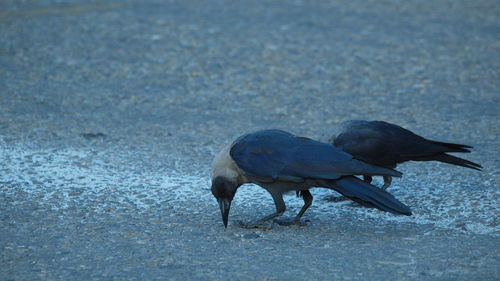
(278, 155)
(369, 195)
(385, 144)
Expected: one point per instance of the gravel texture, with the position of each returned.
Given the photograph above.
(111, 112)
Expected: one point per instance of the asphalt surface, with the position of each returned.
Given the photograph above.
(111, 112)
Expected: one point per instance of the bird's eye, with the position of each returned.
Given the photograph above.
(223, 188)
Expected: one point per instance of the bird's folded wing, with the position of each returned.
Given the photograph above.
(385, 144)
(367, 147)
(277, 155)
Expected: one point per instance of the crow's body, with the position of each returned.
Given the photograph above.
(387, 145)
(281, 162)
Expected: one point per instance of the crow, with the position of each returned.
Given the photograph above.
(280, 162)
(386, 145)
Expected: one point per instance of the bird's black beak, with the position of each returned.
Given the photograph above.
(224, 205)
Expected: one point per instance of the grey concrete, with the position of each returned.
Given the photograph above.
(111, 111)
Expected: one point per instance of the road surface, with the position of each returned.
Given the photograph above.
(111, 112)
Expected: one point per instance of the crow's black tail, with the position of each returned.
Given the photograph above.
(369, 195)
(452, 147)
(446, 158)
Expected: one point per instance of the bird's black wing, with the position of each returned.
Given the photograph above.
(375, 142)
(386, 144)
(278, 155)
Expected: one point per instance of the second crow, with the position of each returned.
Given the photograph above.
(384, 144)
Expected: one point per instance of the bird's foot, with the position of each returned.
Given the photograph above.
(387, 182)
(292, 222)
(254, 225)
(336, 198)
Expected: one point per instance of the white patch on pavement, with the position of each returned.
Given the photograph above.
(62, 179)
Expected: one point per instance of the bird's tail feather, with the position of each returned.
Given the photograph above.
(450, 159)
(453, 147)
(369, 195)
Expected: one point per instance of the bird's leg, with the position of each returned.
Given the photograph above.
(387, 182)
(308, 198)
(280, 209)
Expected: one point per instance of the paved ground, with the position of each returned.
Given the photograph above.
(111, 112)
